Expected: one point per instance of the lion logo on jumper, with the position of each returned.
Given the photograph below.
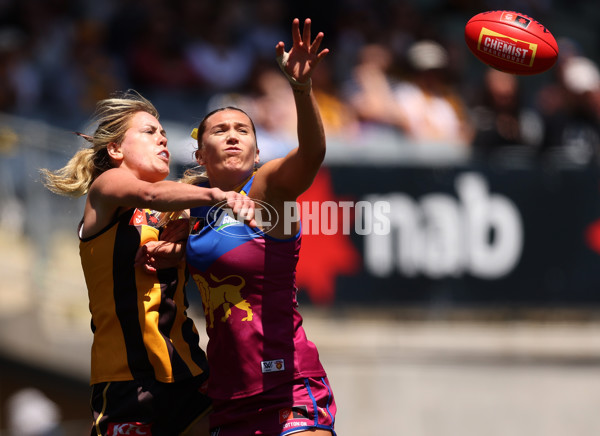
(225, 295)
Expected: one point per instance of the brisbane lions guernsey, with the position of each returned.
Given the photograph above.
(247, 283)
(139, 320)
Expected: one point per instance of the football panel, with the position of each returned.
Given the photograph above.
(517, 20)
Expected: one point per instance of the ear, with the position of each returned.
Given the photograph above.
(256, 156)
(199, 157)
(115, 152)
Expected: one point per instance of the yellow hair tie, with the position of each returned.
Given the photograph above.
(194, 134)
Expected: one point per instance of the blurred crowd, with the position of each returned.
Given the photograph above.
(398, 66)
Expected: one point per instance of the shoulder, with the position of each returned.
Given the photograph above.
(100, 203)
(112, 180)
(265, 179)
(112, 174)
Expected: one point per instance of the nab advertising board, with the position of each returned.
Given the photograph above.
(460, 236)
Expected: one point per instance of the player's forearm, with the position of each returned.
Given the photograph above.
(311, 134)
(169, 195)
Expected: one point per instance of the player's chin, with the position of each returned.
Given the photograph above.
(237, 163)
(164, 170)
(158, 175)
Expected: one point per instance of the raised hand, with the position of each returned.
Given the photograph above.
(299, 63)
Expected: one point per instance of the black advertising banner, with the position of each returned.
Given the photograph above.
(475, 235)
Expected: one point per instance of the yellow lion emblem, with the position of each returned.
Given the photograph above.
(224, 295)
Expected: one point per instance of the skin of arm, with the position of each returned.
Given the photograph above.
(282, 180)
(117, 188)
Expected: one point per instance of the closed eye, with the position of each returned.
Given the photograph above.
(151, 130)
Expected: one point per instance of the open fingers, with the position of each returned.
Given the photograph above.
(306, 32)
(279, 48)
(322, 54)
(296, 37)
(314, 47)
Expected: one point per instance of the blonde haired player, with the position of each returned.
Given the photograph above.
(147, 369)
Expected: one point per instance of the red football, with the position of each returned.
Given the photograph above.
(511, 42)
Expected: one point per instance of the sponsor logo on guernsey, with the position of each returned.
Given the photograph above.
(506, 48)
(294, 412)
(145, 217)
(129, 428)
(272, 365)
(225, 220)
(196, 224)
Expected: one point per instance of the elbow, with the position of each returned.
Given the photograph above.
(318, 155)
(312, 156)
(321, 154)
(152, 197)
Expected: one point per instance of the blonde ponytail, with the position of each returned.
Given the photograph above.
(75, 178)
(194, 176)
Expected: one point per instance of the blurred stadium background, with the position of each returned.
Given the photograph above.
(476, 314)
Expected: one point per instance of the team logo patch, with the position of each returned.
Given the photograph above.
(196, 224)
(144, 217)
(294, 412)
(221, 296)
(516, 19)
(129, 428)
(226, 220)
(272, 365)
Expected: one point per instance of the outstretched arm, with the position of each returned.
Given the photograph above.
(117, 188)
(287, 178)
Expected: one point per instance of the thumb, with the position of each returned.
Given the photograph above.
(140, 256)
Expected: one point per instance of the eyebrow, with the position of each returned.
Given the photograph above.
(235, 124)
(153, 127)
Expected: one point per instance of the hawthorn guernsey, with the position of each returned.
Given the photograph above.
(511, 42)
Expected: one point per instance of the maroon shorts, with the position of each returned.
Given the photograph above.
(307, 404)
(148, 407)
